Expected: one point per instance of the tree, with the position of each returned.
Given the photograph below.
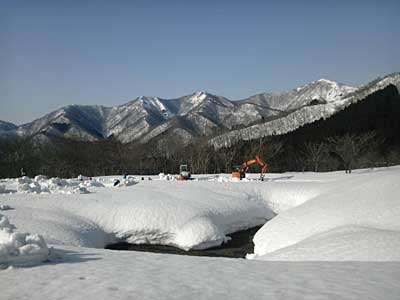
(348, 147)
(314, 153)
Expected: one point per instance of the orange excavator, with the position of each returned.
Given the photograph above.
(240, 171)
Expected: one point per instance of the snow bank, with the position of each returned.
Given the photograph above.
(82, 273)
(40, 184)
(128, 181)
(357, 220)
(111, 181)
(20, 249)
(163, 176)
(347, 243)
(188, 214)
(200, 214)
(184, 214)
(5, 207)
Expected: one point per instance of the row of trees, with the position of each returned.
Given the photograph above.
(67, 158)
(347, 149)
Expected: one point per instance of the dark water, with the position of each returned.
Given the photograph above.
(240, 244)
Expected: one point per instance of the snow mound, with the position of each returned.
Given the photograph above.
(128, 181)
(5, 207)
(41, 185)
(20, 249)
(200, 214)
(91, 183)
(187, 214)
(347, 243)
(40, 177)
(163, 176)
(358, 220)
(200, 232)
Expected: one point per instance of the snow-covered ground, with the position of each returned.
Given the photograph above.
(82, 273)
(191, 214)
(356, 220)
(20, 249)
(319, 217)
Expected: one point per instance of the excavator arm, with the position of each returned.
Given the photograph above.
(247, 164)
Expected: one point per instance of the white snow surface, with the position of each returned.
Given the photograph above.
(41, 185)
(318, 213)
(321, 217)
(82, 273)
(352, 218)
(20, 249)
(195, 214)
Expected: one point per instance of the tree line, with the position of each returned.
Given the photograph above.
(364, 135)
(68, 158)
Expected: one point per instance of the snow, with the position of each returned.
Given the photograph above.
(147, 117)
(357, 220)
(20, 249)
(338, 97)
(320, 220)
(40, 184)
(82, 273)
(201, 213)
(350, 242)
(5, 207)
(198, 97)
(190, 214)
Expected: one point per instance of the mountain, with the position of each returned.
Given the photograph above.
(307, 113)
(201, 114)
(6, 127)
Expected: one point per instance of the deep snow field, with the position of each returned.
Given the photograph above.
(330, 236)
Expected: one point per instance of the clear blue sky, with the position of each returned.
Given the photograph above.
(54, 53)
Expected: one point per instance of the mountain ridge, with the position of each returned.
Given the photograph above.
(200, 114)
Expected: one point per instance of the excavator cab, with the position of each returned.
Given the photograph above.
(237, 172)
(184, 173)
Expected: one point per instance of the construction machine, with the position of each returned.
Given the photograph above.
(184, 173)
(240, 171)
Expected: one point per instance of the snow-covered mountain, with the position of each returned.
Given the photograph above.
(6, 126)
(300, 112)
(201, 114)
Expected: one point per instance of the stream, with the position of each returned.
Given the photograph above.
(240, 244)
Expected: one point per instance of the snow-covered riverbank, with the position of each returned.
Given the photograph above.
(320, 216)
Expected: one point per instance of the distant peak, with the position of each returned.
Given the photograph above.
(323, 80)
(200, 95)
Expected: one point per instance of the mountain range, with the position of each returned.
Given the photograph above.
(222, 121)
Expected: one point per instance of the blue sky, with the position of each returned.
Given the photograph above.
(54, 53)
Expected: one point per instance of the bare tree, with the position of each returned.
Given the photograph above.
(227, 156)
(272, 149)
(348, 147)
(314, 153)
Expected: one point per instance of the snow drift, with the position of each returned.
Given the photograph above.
(188, 215)
(358, 220)
(20, 249)
(321, 216)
